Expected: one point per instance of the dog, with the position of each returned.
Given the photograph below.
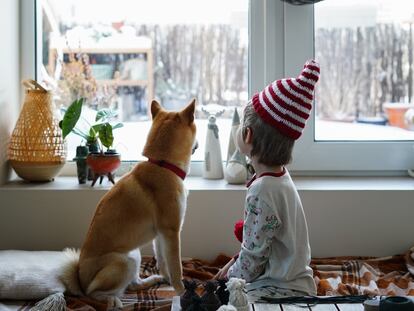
(147, 204)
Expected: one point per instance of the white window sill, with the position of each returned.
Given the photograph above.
(318, 183)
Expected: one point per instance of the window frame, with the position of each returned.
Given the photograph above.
(283, 38)
(329, 157)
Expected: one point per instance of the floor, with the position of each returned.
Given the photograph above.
(301, 307)
(337, 307)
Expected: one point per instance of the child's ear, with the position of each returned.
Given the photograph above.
(188, 113)
(248, 135)
(155, 108)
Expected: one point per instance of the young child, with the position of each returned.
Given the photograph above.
(275, 253)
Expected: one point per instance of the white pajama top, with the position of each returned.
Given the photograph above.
(275, 250)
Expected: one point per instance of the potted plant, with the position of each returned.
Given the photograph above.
(102, 162)
(396, 112)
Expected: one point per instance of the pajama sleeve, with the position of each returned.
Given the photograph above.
(260, 226)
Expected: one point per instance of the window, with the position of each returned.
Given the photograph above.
(280, 38)
(366, 57)
(338, 149)
(124, 53)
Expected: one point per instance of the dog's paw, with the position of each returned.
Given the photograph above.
(140, 284)
(179, 288)
(114, 303)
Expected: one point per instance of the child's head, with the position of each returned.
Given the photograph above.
(263, 141)
(276, 117)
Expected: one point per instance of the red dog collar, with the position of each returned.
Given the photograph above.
(173, 168)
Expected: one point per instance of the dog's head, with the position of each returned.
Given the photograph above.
(172, 134)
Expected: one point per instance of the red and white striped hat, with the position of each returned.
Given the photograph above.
(286, 104)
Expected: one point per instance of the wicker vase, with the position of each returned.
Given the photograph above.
(36, 150)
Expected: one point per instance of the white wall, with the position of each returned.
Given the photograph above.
(9, 77)
(341, 222)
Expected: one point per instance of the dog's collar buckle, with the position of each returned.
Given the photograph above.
(169, 166)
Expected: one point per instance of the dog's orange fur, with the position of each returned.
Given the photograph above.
(146, 204)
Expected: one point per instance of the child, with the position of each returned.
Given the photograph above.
(275, 254)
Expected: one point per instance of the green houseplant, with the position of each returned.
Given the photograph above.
(99, 135)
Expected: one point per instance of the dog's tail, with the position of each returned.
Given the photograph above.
(70, 273)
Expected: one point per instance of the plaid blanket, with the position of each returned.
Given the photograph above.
(392, 275)
(389, 276)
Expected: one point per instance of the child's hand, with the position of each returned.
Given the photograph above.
(222, 274)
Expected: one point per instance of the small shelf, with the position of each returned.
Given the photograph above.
(123, 82)
(139, 46)
(110, 50)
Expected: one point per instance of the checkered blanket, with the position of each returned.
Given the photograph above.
(334, 276)
(387, 276)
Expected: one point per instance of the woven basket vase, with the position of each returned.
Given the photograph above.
(36, 150)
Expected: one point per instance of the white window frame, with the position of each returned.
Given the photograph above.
(281, 38)
(289, 41)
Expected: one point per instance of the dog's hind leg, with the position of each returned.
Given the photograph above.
(111, 280)
(138, 283)
(171, 243)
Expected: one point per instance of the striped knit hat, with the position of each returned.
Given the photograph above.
(286, 103)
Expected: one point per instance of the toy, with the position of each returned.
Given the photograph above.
(238, 297)
(186, 298)
(222, 292)
(210, 300)
(196, 305)
(227, 308)
(238, 230)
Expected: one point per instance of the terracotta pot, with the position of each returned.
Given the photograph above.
(103, 164)
(396, 112)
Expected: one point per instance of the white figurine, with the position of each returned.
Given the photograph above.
(238, 297)
(213, 164)
(227, 308)
(233, 134)
(236, 171)
(236, 166)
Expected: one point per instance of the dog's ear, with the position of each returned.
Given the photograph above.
(155, 108)
(188, 113)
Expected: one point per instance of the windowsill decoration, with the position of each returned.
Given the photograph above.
(213, 165)
(36, 150)
(102, 163)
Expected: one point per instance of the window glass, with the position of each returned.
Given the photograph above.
(120, 54)
(365, 49)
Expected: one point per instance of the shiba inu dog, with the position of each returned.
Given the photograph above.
(147, 204)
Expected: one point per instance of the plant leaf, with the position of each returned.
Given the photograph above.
(94, 130)
(71, 117)
(117, 126)
(105, 113)
(80, 133)
(105, 135)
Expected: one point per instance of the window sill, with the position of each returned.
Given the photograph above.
(318, 183)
